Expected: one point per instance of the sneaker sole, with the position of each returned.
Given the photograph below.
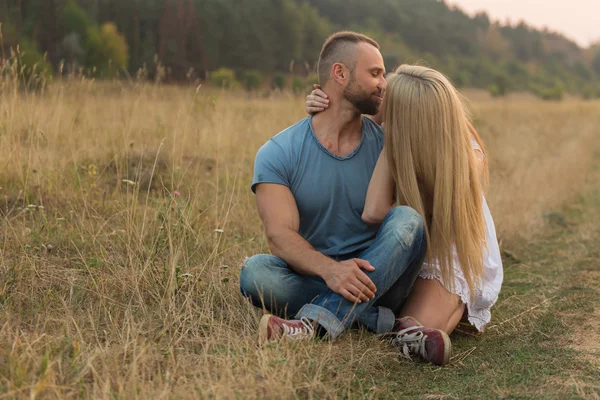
(263, 328)
(447, 349)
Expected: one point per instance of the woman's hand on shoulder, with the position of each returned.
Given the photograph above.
(316, 101)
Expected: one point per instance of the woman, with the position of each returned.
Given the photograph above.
(435, 162)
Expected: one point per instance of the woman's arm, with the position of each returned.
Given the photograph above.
(380, 195)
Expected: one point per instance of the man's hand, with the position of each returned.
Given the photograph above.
(316, 101)
(347, 278)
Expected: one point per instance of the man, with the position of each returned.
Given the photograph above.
(329, 268)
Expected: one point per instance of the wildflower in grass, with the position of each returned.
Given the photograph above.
(176, 193)
(92, 170)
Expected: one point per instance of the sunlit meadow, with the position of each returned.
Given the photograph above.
(126, 214)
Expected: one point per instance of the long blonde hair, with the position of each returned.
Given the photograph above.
(428, 146)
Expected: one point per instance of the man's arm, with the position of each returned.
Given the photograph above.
(279, 213)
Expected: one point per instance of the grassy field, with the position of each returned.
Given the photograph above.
(126, 213)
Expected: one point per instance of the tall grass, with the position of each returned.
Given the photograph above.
(127, 213)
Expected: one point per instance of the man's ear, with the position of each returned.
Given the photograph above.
(340, 73)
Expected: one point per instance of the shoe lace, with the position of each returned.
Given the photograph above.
(411, 342)
(299, 332)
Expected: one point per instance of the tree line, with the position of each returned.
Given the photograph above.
(251, 41)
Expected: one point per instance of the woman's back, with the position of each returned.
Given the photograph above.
(428, 147)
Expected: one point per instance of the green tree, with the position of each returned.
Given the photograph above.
(192, 37)
(251, 79)
(76, 25)
(495, 44)
(590, 92)
(500, 85)
(108, 51)
(596, 62)
(223, 78)
(76, 20)
(31, 63)
(555, 92)
(9, 36)
(278, 81)
(582, 70)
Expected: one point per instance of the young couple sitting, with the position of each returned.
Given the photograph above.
(384, 227)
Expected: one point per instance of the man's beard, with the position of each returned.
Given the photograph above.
(365, 102)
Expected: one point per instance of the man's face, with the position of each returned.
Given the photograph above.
(367, 83)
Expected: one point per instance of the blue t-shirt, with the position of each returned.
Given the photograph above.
(330, 191)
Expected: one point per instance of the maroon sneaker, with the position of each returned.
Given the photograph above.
(413, 339)
(273, 328)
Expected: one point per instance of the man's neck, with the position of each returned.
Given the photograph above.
(338, 128)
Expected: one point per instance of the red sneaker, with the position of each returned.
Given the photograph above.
(273, 328)
(431, 345)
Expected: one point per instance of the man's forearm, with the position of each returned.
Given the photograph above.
(298, 253)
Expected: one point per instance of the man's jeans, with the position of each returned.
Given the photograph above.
(397, 255)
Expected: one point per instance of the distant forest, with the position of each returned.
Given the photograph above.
(262, 41)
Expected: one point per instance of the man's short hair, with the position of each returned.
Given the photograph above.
(340, 48)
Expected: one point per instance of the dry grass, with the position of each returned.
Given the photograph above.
(127, 212)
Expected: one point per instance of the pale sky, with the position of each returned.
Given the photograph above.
(579, 20)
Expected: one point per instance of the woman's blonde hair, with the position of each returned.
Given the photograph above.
(428, 146)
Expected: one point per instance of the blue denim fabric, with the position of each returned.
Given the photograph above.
(397, 255)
